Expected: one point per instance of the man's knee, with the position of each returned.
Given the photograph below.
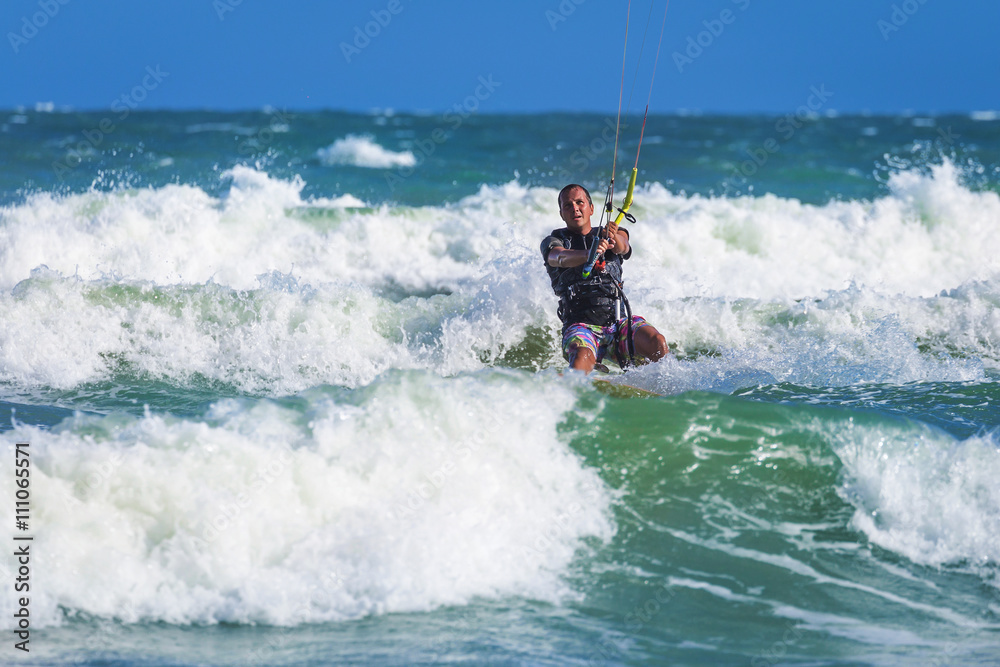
(660, 348)
(655, 347)
(582, 358)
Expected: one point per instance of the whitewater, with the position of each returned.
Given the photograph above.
(294, 394)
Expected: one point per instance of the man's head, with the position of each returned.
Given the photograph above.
(576, 207)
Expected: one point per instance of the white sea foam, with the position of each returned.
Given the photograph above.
(931, 233)
(923, 494)
(343, 201)
(848, 337)
(270, 292)
(317, 509)
(362, 151)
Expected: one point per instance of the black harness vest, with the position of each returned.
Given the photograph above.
(590, 300)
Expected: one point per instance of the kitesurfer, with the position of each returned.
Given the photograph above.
(590, 307)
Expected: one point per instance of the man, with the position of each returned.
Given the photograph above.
(588, 306)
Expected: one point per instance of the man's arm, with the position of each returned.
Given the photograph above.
(559, 256)
(562, 258)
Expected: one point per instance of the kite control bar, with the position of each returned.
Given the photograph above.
(592, 258)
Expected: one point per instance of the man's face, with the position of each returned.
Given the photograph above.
(575, 210)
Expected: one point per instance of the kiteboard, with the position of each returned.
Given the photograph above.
(621, 390)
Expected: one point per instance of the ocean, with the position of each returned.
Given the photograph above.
(288, 390)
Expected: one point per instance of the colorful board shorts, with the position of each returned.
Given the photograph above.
(599, 339)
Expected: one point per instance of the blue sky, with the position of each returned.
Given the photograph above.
(729, 56)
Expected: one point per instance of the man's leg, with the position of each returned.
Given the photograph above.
(650, 343)
(582, 359)
(580, 344)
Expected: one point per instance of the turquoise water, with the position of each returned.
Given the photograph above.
(294, 394)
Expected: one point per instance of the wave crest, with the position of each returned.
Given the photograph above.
(362, 151)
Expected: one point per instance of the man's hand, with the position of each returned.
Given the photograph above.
(616, 243)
